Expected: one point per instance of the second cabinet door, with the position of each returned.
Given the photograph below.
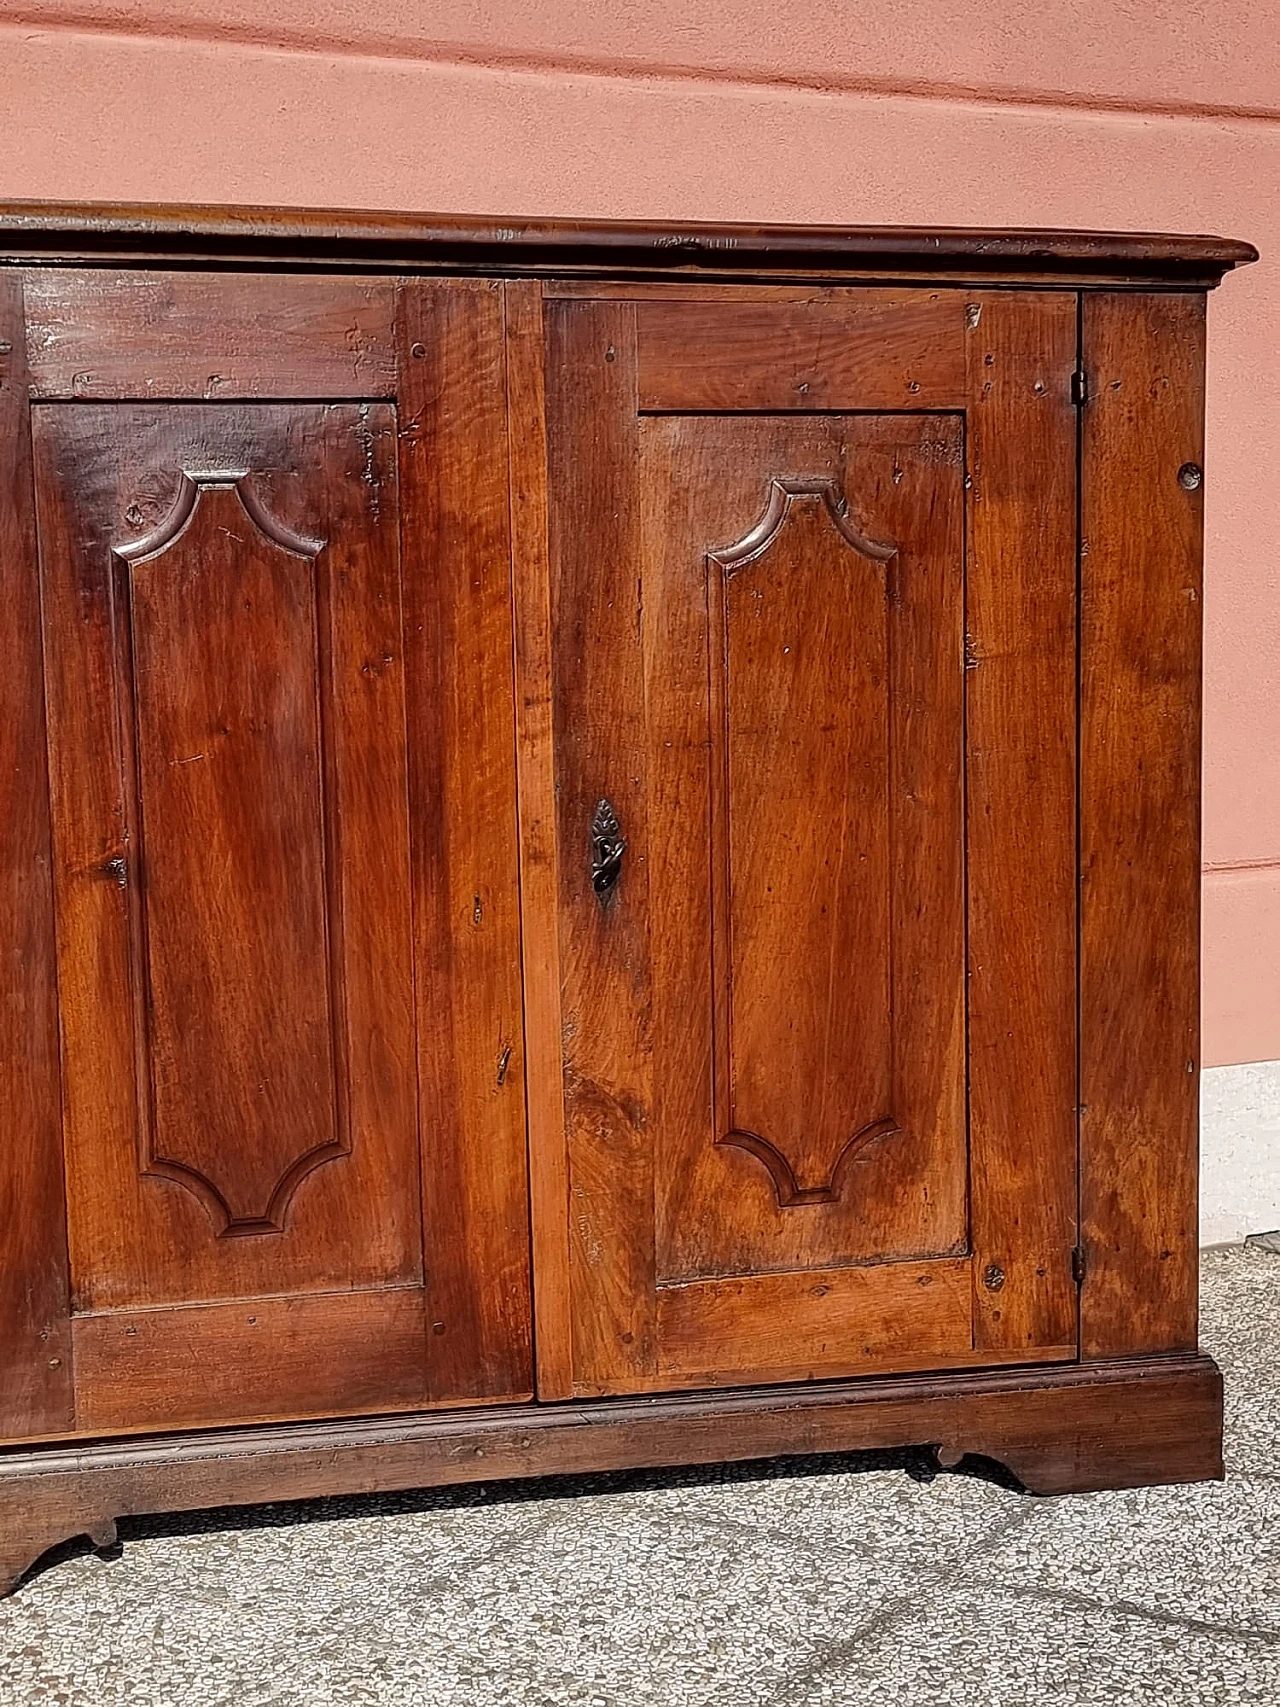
(782, 982)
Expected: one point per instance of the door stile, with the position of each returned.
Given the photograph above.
(539, 853)
(1140, 708)
(600, 692)
(451, 362)
(1021, 551)
(35, 1308)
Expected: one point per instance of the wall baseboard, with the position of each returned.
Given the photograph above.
(1239, 1151)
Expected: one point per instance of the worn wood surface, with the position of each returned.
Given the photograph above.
(219, 640)
(165, 334)
(1140, 629)
(231, 831)
(814, 1324)
(462, 801)
(828, 691)
(35, 1340)
(599, 730)
(1065, 1430)
(258, 873)
(313, 1354)
(827, 354)
(1021, 820)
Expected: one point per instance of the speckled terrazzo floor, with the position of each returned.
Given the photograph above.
(841, 1582)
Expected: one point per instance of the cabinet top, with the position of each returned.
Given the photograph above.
(107, 232)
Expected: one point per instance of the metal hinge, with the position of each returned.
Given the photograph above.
(1078, 1265)
(1079, 388)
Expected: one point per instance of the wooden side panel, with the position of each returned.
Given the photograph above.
(1022, 816)
(868, 349)
(598, 667)
(1140, 820)
(539, 860)
(103, 333)
(457, 560)
(35, 1343)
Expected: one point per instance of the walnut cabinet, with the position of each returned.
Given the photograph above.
(600, 852)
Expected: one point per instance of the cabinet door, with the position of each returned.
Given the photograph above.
(812, 587)
(283, 826)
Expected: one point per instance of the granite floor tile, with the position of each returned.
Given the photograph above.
(642, 1610)
(242, 1615)
(1240, 1327)
(880, 1513)
(968, 1647)
(1209, 1552)
(611, 1605)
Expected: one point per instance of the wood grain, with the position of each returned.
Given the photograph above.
(1022, 815)
(1140, 635)
(107, 474)
(539, 857)
(35, 1341)
(320, 1354)
(815, 1325)
(801, 708)
(226, 635)
(361, 595)
(806, 843)
(122, 334)
(187, 1121)
(463, 809)
(861, 350)
(773, 702)
(598, 683)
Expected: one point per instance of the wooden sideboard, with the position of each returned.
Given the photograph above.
(600, 852)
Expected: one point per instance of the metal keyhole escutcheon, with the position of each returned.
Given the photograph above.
(608, 844)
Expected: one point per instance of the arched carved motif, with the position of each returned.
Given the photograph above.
(783, 491)
(191, 484)
(790, 1191)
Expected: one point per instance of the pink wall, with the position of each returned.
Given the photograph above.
(1150, 114)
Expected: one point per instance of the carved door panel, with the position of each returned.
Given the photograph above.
(258, 878)
(830, 678)
(764, 644)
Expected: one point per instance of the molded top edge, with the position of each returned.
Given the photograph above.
(110, 231)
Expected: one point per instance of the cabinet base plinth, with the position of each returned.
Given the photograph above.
(1067, 1429)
